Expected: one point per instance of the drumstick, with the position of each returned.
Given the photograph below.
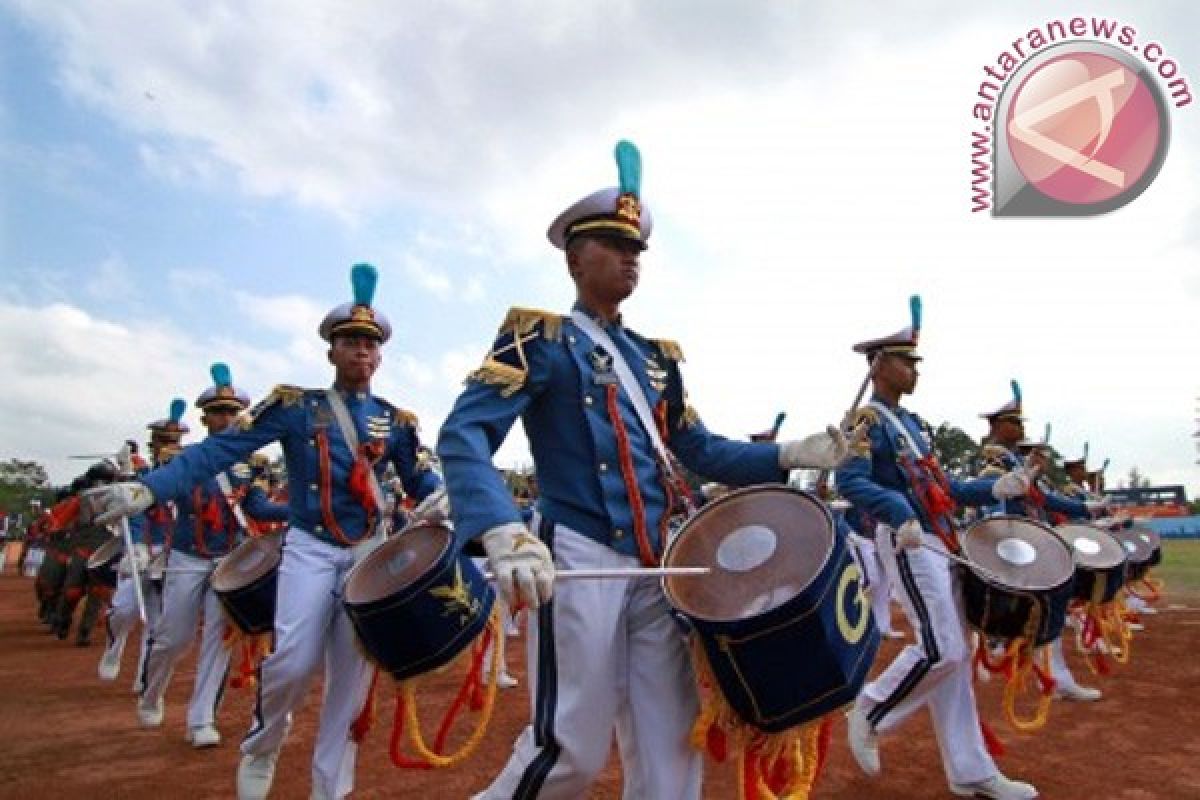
(619, 572)
(133, 568)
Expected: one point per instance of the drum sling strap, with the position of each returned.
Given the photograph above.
(633, 390)
(342, 416)
(234, 506)
(930, 489)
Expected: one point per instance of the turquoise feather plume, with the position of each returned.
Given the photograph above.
(220, 374)
(1016, 390)
(914, 311)
(1104, 466)
(1046, 438)
(778, 422)
(629, 168)
(1085, 451)
(178, 406)
(363, 278)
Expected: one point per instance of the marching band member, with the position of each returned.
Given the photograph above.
(78, 583)
(896, 479)
(337, 444)
(151, 532)
(604, 410)
(211, 521)
(1008, 450)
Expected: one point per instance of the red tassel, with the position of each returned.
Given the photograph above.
(717, 743)
(395, 745)
(1102, 665)
(824, 740)
(750, 774)
(366, 716)
(995, 746)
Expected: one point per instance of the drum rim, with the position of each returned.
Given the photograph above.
(1021, 589)
(1102, 532)
(1131, 534)
(255, 542)
(357, 568)
(743, 490)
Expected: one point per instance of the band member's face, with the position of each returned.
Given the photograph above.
(1037, 458)
(898, 372)
(355, 357)
(218, 419)
(1077, 474)
(1008, 430)
(605, 269)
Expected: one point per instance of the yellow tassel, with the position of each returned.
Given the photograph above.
(1022, 652)
(494, 373)
(413, 724)
(522, 320)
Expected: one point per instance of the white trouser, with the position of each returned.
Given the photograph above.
(185, 595)
(123, 615)
(1058, 665)
(502, 636)
(310, 623)
(878, 580)
(936, 671)
(605, 656)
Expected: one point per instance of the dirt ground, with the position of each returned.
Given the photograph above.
(66, 734)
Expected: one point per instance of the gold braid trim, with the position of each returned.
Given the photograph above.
(865, 418)
(404, 418)
(523, 320)
(670, 348)
(509, 379)
(689, 418)
(284, 394)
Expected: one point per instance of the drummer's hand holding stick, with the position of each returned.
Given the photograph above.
(118, 502)
(908, 535)
(825, 450)
(521, 564)
(1013, 484)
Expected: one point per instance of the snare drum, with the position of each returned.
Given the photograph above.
(1025, 583)
(245, 582)
(1099, 562)
(1142, 547)
(416, 602)
(782, 618)
(102, 564)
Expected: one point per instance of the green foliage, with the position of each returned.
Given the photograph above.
(21, 483)
(957, 452)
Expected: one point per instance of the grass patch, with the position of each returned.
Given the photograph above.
(1180, 567)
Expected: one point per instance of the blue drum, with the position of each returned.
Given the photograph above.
(1099, 562)
(1022, 581)
(416, 602)
(245, 582)
(782, 618)
(102, 564)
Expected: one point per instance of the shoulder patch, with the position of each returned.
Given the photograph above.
(506, 365)
(284, 394)
(669, 348)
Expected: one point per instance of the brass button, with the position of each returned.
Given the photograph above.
(603, 467)
(587, 400)
(618, 534)
(318, 529)
(313, 486)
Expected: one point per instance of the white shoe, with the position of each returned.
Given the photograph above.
(204, 736)
(996, 787)
(254, 776)
(150, 716)
(505, 681)
(1073, 691)
(893, 634)
(864, 744)
(1151, 610)
(1136, 626)
(110, 666)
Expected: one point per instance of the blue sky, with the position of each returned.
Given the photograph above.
(184, 183)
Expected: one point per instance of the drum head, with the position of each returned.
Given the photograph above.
(764, 545)
(1022, 553)
(397, 563)
(1094, 548)
(248, 562)
(1139, 543)
(106, 553)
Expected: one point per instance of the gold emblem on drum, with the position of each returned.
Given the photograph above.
(457, 598)
(851, 576)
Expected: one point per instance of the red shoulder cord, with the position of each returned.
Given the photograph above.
(932, 493)
(357, 479)
(625, 455)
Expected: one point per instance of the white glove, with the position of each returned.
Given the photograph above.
(1095, 507)
(1011, 484)
(119, 500)
(908, 535)
(523, 567)
(826, 450)
(141, 559)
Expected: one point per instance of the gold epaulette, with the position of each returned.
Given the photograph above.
(240, 471)
(670, 348)
(404, 417)
(284, 394)
(993, 452)
(506, 365)
(689, 418)
(520, 321)
(865, 418)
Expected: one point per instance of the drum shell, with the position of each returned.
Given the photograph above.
(251, 605)
(793, 663)
(1143, 548)
(1099, 585)
(104, 570)
(410, 632)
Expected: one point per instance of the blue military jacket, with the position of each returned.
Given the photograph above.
(207, 527)
(874, 481)
(595, 463)
(998, 460)
(319, 462)
(154, 527)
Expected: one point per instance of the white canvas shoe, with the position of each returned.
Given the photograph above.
(110, 665)
(150, 716)
(254, 776)
(996, 787)
(1073, 691)
(204, 736)
(864, 744)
